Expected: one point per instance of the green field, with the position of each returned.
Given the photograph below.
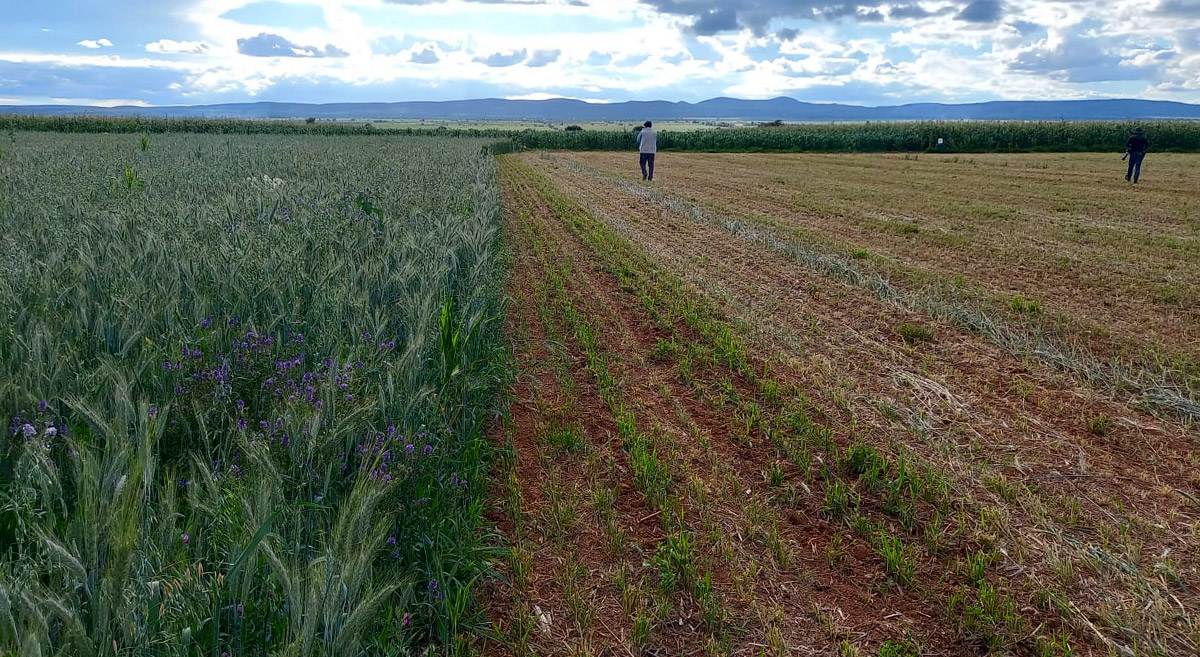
(246, 381)
(915, 136)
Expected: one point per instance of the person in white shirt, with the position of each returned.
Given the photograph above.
(647, 140)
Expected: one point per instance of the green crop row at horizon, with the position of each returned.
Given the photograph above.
(245, 384)
(955, 136)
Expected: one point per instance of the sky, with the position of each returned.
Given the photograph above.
(865, 52)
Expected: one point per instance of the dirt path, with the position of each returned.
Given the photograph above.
(1085, 491)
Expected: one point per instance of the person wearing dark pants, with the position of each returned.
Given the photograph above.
(647, 140)
(1135, 150)
(646, 160)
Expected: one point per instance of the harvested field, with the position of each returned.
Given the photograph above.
(799, 404)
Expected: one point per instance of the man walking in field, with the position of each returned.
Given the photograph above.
(647, 140)
(1135, 150)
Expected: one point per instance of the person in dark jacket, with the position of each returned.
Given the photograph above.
(1135, 150)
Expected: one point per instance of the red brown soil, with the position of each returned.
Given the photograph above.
(1004, 415)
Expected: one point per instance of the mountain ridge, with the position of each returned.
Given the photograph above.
(714, 109)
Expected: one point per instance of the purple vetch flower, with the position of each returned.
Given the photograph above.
(410, 448)
(232, 321)
(407, 620)
(42, 406)
(240, 610)
(29, 430)
(241, 405)
(428, 450)
(51, 432)
(166, 366)
(299, 338)
(285, 441)
(241, 423)
(392, 541)
(183, 483)
(153, 411)
(454, 479)
(185, 538)
(206, 322)
(349, 397)
(366, 335)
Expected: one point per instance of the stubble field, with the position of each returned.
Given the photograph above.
(851, 404)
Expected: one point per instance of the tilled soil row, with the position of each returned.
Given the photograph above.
(1018, 435)
(1116, 274)
(797, 602)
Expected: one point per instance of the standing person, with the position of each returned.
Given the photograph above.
(647, 140)
(1135, 150)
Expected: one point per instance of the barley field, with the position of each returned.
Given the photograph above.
(246, 384)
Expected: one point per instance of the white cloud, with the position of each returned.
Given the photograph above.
(95, 43)
(172, 47)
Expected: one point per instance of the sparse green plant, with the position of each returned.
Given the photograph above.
(914, 333)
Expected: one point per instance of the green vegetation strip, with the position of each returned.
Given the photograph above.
(955, 136)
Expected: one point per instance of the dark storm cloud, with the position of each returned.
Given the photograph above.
(982, 11)
(712, 16)
(273, 45)
(1179, 8)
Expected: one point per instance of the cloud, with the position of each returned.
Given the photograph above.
(426, 56)
(502, 59)
(598, 59)
(1178, 8)
(1078, 59)
(982, 11)
(273, 45)
(172, 47)
(95, 43)
(541, 58)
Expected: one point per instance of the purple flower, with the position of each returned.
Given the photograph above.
(366, 336)
(241, 423)
(235, 470)
(186, 539)
(241, 405)
(349, 397)
(410, 448)
(407, 619)
(392, 541)
(153, 411)
(51, 432)
(232, 321)
(42, 405)
(432, 585)
(205, 322)
(166, 366)
(29, 430)
(391, 344)
(241, 611)
(183, 483)
(428, 450)
(285, 441)
(454, 479)
(299, 338)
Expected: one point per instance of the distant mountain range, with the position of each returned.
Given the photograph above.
(716, 109)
